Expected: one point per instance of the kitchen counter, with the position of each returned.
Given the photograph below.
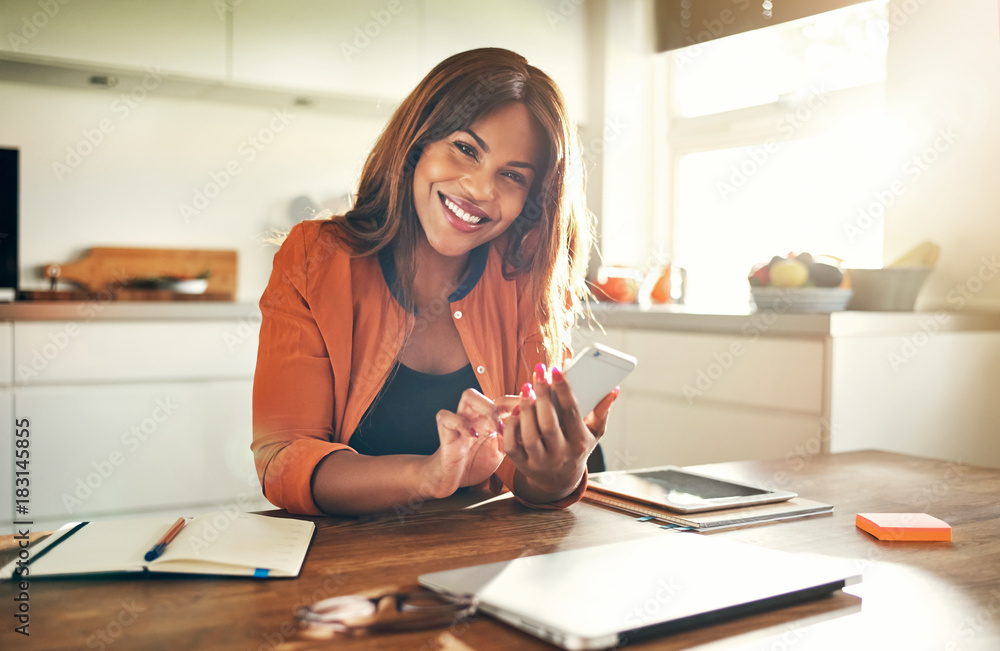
(669, 318)
(127, 311)
(678, 318)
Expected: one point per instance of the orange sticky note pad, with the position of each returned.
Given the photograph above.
(903, 526)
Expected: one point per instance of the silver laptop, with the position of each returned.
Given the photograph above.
(610, 595)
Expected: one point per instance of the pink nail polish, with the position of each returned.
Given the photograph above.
(539, 372)
(557, 376)
(527, 391)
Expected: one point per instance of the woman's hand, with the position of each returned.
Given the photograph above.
(470, 450)
(549, 441)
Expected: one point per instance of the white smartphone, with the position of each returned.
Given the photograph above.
(594, 372)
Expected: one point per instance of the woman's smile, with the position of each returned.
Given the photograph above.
(470, 186)
(464, 215)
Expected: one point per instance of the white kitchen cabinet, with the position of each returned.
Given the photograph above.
(383, 48)
(700, 398)
(551, 34)
(183, 37)
(73, 352)
(6, 354)
(353, 57)
(132, 415)
(366, 48)
(116, 449)
(727, 387)
(924, 392)
(663, 430)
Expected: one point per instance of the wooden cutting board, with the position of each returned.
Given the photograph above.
(109, 269)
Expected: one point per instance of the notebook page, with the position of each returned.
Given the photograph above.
(106, 546)
(242, 539)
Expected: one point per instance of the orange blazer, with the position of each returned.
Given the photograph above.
(329, 336)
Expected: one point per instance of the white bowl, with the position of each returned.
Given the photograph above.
(800, 299)
(893, 289)
(192, 286)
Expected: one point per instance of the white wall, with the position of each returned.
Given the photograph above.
(944, 78)
(130, 189)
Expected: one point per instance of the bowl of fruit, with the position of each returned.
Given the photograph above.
(800, 283)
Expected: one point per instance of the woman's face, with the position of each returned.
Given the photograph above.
(470, 186)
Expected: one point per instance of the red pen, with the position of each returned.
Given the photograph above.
(158, 548)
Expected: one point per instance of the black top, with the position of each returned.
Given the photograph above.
(477, 265)
(403, 418)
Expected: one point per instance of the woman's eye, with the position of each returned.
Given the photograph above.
(466, 149)
(516, 177)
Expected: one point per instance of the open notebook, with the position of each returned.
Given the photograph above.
(237, 544)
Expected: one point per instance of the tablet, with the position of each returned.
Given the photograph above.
(682, 490)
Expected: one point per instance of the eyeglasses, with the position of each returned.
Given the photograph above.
(392, 611)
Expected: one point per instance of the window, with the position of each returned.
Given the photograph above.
(777, 141)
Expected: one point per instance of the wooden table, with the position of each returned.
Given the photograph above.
(914, 595)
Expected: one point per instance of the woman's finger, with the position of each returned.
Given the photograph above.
(597, 420)
(481, 412)
(454, 426)
(545, 412)
(505, 404)
(569, 410)
(530, 441)
(511, 438)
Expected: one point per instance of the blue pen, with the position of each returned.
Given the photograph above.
(158, 548)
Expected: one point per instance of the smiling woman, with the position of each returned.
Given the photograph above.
(394, 336)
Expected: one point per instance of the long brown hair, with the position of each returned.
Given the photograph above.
(550, 239)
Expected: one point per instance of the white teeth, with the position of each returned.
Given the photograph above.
(461, 214)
